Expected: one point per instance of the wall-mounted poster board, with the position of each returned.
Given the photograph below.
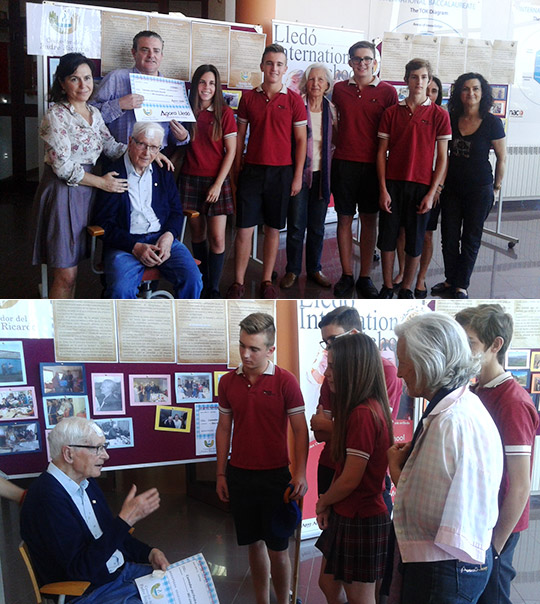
(146, 370)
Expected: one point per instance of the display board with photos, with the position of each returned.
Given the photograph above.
(147, 411)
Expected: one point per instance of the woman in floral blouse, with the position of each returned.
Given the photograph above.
(75, 136)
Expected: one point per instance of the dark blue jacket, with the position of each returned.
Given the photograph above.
(113, 210)
(61, 545)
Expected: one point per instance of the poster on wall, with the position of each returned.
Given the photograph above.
(12, 365)
(306, 44)
(206, 420)
(246, 52)
(119, 28)
(210, 44)
(26, 319)
(524, 105)
(433, 17)
(176, 34)
(56, 29)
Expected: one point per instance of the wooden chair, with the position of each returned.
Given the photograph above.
(60, 589)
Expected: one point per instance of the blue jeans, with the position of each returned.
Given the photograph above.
(445, 582)
(306, 210)
(462, 219)
(497, 590)
(120, 591)
(123, 272)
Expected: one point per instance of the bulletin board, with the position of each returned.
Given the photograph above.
(152, 392)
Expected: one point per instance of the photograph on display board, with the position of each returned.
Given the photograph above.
(232, 98)
(499, 108)
(499, 92)
(108, 394)
(521, 376)
(58, 407)
(173, 419)
(12, 367)
(19, 438)
(118, 431)
(217, 376)
(517, 359)
(193, 387)
(62, 378)
(535, 383)
(17, 403)
(150, 390)
(535, 360)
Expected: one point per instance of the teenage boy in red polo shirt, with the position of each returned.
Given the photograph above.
(260, 397)
(360, 101)
(271, 174)
(407, 182)
(490, 331)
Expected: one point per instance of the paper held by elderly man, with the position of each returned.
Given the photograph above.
(188, 580)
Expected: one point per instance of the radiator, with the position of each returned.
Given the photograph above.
(522, 176)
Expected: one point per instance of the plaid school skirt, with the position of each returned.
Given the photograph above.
(193, 191)
(355, 548)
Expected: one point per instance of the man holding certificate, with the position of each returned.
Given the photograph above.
(114, 97)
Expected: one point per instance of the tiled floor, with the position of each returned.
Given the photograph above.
(184, 526)
(500, 272)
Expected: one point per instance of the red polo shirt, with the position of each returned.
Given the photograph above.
(260, 413)
(516, 417)
(394, 388)
(368, 438)
(271, 123)
(412, 139)
(360, 112)
(205, 155)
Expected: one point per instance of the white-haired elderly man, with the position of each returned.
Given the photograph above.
(448, 478)
(143, 220)
(69, 528)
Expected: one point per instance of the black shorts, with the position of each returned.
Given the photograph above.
(355, 184)
(406, 197)
(263, 196)
(254, 496)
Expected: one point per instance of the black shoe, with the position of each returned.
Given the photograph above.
(405, 294)
(366, 289)
(396, 286)
(462, 295)
(386, 293)
(440, 289)
(344, 287)
(420, 294)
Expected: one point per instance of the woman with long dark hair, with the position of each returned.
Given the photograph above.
(75, 136)
(469, 188)
(204, 180)
(352, 513)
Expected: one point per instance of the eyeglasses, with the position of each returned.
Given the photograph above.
(358, 60)
(98, 449)
(140, 145)
(327, 344)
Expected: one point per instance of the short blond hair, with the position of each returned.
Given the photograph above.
(260, 322)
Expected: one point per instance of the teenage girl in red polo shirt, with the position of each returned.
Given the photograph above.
(352, 513)
(204, 178)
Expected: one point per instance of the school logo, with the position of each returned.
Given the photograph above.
(244, 76)
(65, 24)
(147, 111)
(155, 592)
(209, 443)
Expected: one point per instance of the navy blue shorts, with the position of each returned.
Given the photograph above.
(406, 197)
(254, 496)
(355, 184)
(263, 196)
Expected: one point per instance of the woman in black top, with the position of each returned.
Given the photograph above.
(469, 190)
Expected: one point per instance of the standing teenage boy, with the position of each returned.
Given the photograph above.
(407, 182)
(490, 331)
(260, 397)
(272, 171)
(360, 101)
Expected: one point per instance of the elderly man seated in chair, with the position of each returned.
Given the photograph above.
(142, 221)
(69, 529)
